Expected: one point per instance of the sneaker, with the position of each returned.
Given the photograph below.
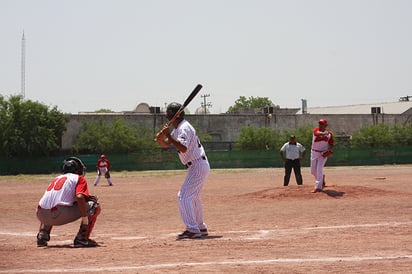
(189, 235)
(84, 243)
(204, 232)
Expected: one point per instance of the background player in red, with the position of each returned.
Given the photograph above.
(322, 148)
(103, 167)
(66, 200)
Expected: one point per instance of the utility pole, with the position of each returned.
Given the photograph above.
(23, 66)
(205, 104)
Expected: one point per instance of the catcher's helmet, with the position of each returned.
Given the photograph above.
(73, 165)
(323, 121)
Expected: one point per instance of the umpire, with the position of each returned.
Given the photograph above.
(291, 154)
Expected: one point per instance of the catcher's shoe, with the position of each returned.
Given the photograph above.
(78, 242)
(204, 232)
(41, 242)
(42, 238)
(189, 235)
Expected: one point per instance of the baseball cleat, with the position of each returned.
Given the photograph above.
(189, 235)
(204, 232)
(43, 237)
(41, 242)
(84, 243)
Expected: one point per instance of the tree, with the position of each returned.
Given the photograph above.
(303, 135)
(29, 128)
(253, 138)
(250, 103)
(104, 110)
(382, 135)
(116, 137)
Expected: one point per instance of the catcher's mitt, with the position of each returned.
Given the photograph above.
(327, 153)
(93, 198)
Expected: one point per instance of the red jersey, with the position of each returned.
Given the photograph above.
(321, 143)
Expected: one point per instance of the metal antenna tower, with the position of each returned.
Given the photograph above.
(23, 66)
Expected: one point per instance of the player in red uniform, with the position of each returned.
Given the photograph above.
(66, 200)
(322, 148)
(103, 167)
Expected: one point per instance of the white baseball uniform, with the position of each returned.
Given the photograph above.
(317, 161)
(190, 202)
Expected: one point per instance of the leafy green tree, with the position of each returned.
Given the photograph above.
(29, 128)
(382, 135)
(253, 138)
(374, 136)
(250, 103)
(104, 110)
(116, 137)
(303, 135)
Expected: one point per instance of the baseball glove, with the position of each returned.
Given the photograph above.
(327, 153)
(107, 175)
(93, 198)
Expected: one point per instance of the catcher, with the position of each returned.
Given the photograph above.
(322, 148)
(66, 200)
(103, 167)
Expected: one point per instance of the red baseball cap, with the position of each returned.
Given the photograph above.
(323, 121)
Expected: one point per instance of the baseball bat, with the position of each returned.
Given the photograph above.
(189, 99)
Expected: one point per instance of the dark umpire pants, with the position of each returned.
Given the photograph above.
(295, 164)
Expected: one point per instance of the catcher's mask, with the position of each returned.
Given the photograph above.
(171, 110)
(73, 165)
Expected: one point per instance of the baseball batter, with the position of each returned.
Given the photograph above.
(103, 167)
(192, 155)
(65, 200)
(322, 148)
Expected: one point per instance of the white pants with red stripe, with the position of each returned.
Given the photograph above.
(190, 200)
(317, 162)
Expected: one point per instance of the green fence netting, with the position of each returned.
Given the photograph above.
(168, 160)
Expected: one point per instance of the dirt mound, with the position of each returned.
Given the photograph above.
(304, 192)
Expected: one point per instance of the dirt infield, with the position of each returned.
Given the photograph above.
(361, 223)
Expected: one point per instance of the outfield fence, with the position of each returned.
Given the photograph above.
(168, 160)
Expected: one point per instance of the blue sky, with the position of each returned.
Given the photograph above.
(92, 54)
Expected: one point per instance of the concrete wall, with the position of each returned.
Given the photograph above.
(226, 127)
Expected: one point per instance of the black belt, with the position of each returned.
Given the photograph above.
(188, 164)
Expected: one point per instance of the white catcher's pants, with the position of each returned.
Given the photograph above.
(317, 162)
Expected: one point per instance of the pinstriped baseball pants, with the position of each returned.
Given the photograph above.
(189, 196)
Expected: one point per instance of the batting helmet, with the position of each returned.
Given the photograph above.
(323, 121)
(73, 165)
(171, 110)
